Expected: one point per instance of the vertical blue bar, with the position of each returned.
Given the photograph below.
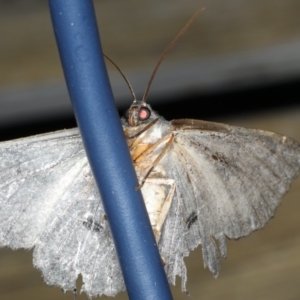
(79, 46)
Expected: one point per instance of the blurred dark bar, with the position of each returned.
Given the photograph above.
(79, 46)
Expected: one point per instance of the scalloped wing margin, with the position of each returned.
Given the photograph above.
(232, 179)
(49, 201)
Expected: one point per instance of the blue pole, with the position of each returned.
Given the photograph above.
(80, 51)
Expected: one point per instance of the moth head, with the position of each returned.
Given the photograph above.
(138, 113)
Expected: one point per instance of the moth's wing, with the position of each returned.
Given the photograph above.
(28, 169)
(231, 178)
(49, 201)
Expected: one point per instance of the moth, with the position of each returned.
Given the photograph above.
(202, 183)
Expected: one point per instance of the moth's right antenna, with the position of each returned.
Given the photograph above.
(170, 46)
(123, 75)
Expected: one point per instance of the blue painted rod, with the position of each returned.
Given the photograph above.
(80, 51)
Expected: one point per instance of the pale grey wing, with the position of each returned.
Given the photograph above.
(49, 201)
(229, 182)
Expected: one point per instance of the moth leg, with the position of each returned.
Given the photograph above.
(169, 138)
(162, 214)
(152, 147)
(74, 293)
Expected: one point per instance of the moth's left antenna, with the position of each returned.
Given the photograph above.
(123, 75)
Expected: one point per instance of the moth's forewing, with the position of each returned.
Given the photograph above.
(47, 198)
(233, 178)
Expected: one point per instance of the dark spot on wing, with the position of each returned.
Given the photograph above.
(91, 225)
(220, 157)
(191, 219)
(188, 177)
(214, 157)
